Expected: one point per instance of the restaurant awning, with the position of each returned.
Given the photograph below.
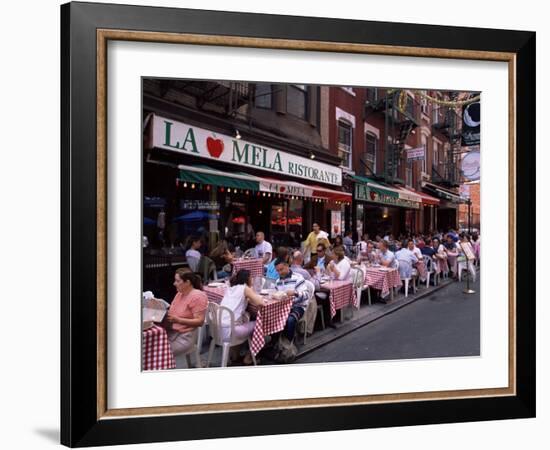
(442, 193)
(205, 175)
(425, 198)
(372, 191)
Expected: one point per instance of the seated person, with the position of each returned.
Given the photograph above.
(428, 250)
(407, 259)
(186, 313)
(386, 257)
(271, 272)
(236, 298)
(339, 267)
(318, 260)
(192, 254)
(263, 248)
(295, 287)
(222, 257)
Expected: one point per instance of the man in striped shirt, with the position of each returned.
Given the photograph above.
(295, 287)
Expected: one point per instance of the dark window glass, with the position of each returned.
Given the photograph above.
(296, 100)
(263, 96)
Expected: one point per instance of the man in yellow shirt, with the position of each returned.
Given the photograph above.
(315, 237)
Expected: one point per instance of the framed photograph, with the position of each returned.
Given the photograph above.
(268, 222)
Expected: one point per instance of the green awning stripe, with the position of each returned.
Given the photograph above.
(218, 180)
(375, 186)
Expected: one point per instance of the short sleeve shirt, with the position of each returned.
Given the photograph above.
(186, 307)
(263, 248)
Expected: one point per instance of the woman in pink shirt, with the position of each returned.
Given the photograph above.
(186, 312)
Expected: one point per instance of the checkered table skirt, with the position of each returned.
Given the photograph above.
(422, 271)
(156, 352)
(214, 294)
(383, 280)
(341, 295)
(270, 319)
(255, 265)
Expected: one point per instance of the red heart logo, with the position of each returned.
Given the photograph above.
(214, 146)
(282, 188)
(372, 195)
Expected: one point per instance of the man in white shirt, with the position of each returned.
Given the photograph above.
(263, 248)
(413, 248)
(342, 268)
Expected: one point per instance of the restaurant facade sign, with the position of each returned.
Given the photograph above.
(183, 138)
(366, 193)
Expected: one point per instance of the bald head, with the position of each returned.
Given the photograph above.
(297, 258)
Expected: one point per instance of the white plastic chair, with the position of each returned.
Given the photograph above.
(215, 313)
(359, 285)
(430, 270)
(311, 291)
(406, 280)
(196, 349)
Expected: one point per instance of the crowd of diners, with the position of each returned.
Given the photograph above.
(290, 270)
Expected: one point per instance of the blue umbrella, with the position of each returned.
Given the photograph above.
(194, 215)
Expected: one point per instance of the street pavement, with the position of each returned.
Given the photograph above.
(443, 324)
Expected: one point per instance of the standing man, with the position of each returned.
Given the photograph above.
(313, 239)
(294, 285)
(263, 248)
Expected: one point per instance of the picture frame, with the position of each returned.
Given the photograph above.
(86, 28)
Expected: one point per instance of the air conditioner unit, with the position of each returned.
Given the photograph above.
(424, 176)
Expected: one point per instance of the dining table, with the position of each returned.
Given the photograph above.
(156, 351)
(341, 294)
(384, 279)
(270, 318)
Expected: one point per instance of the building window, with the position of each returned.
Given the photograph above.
(424, 104)
(425, 145)
(435, 113)
(409, 176)
(436, 156)
(409, 107)
(371, 146)
(345, 133)
(263, 96)
(372, 95)
(349, 90)
(296, 100)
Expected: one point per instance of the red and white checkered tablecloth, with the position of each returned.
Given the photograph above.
(270, 319)
(422, 271)
(156, 352)
(214, 294)
(381, 279)
(255, 265)
(341, 295)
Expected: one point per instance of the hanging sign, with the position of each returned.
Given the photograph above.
(416, 154)
(183, 138)
(470, 124)
(471, 166)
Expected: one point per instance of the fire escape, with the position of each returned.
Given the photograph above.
(224, 97)
(447, 122)
(401, 116)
